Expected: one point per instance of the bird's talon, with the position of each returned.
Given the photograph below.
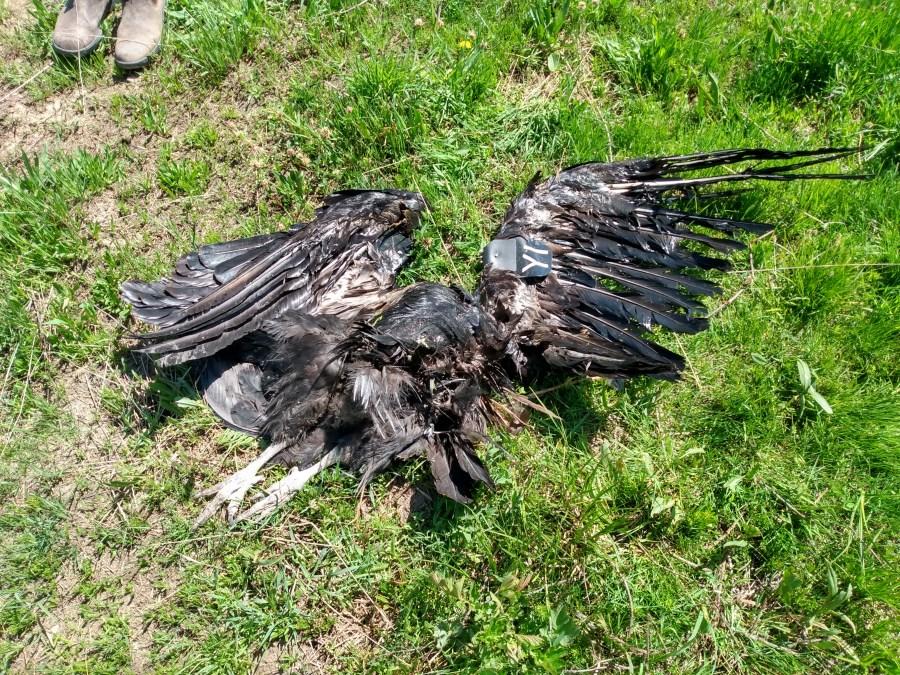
(230, 492)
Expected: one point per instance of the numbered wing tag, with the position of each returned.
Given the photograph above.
(529, 258)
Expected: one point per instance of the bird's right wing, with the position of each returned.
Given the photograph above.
(343, 262)
(587, 262)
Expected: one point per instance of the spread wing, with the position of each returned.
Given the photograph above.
(341, 263)
(586, 263)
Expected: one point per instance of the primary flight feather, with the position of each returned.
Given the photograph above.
(303, 339)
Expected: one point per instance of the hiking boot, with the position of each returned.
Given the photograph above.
(77, 31)
(140, 32)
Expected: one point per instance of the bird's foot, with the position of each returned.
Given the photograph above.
(281, 491)
(232, 490)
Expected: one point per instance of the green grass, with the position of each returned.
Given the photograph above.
(744, 519)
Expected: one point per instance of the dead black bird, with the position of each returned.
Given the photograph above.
(305, 341)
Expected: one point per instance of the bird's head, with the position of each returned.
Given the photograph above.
(411, 205)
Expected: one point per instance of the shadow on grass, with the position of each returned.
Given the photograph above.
(171, 392)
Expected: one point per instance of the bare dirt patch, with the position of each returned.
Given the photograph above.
(540, 85)
(18, 14)
(358, 630)
(67, 631)
(103, 211)
(88, 464)
(402, 502)
(54, 626)
(289, 658)
(69, 121)
(98, 439)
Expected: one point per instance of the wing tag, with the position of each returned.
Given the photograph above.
(529, 258)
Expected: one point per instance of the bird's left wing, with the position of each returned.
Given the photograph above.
(586, 263)
(342, 262)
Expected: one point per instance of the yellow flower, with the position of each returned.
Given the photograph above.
(464, 44)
